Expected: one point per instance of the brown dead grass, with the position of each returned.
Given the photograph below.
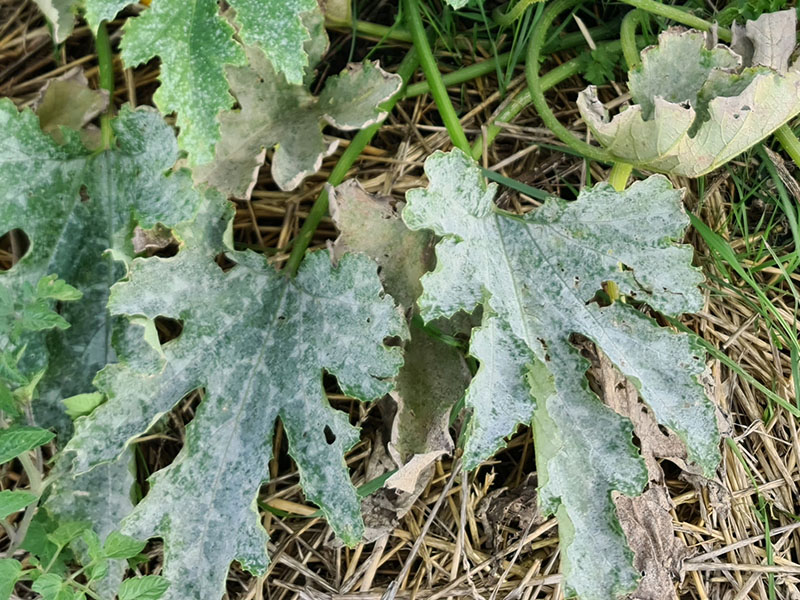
(442, 548)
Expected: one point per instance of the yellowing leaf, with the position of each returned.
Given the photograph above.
(697, 108)
(536, 277)
(275, 113)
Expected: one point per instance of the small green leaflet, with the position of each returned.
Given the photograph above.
(12, 501)
(536, 277)
(697, 108)
(18, 440)
(149, 587)
(275, 113)
(10, 570)
(247, 339)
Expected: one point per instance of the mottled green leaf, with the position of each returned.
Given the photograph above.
(277, 28)
(14, 501)
(536, 277)
(74, 207)
(10, 570)
(148, 587)
(194, 43)
(257, 342)
(18, 440)
(275, 113)
(697, 108)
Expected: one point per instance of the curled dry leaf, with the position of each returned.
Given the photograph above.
(288, 117)
(434, 375)
(67, 101)
(695, 108)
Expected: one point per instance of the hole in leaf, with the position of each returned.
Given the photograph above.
(168, 329)
(663, 430)
(14, 245)
(330, 437)
(392, 341)
(223, 262)
(84, 193)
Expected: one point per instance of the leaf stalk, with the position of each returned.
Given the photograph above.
(105, 65)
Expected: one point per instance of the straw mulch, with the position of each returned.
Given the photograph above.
(477, 535)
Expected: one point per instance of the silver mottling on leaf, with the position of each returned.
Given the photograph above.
(258, 343)
(536, 277)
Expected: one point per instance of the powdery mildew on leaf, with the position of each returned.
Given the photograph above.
(61, 16)
(536, 277)
(74, 206)
(275, 113)
(194, 43)
(697, 108)
(258, 343)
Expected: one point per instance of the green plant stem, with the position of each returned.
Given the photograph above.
(105, 65)
(537, 92)
(504, 19)
(37, 486)
(679, 16)
(619, 175)
(523, 98)
(627, 36)
(431, 70)
(491, 65)
(320, 207)
(789, 142)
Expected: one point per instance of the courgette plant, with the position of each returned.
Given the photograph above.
(257, 341)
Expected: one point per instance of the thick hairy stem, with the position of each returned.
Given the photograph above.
(105, 65)
(619, 175)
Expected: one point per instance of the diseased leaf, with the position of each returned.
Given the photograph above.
(434, 375)
(697, 108)
(277, 114)
(97, 11)
(258, 343)
(536, 277)
(277, 28)
(68, 101)
(60, 15)
(74, 207)
(194, 43)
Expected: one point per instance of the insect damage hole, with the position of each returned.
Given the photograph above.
(14, 245)
(168, 329)
(330, 437)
